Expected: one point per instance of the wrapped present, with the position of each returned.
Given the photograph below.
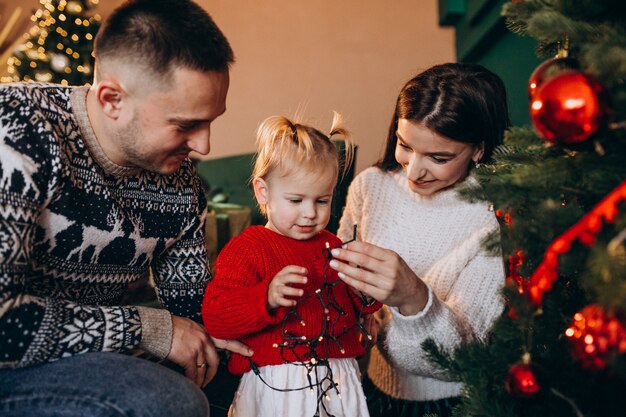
(224, 221)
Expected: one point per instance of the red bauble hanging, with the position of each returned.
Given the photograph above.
(596, 337)
(524, 380)
(569, 108)
(547, 70)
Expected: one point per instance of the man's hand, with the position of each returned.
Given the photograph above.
(232, 345)
(194, 350)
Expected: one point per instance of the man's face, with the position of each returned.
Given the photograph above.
(166, 124)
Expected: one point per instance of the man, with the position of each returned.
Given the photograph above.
(96, 187)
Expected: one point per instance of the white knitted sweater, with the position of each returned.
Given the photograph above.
(440, 238)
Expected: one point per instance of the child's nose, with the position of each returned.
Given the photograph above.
(310, 212)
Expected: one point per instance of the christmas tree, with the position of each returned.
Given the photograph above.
(558, 188)
(58, 47)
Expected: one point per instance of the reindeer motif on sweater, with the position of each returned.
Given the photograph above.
(73, 235)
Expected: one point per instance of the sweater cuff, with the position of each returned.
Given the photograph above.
(156, 331)
(395, 312)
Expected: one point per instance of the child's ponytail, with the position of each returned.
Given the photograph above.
(337, 128)
(288, 145)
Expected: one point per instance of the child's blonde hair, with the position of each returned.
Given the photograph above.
(289, 146)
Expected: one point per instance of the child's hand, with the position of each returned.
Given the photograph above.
(281, 287)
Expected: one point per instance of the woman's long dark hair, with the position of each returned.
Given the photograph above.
(463, 102)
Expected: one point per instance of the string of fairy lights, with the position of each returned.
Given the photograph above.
(59, 46)
(320, 378)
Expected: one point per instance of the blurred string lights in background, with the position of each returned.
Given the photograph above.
(58, 47)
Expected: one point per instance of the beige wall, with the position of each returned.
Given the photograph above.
(316, 56)
(321, 55)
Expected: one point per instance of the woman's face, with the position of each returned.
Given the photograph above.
(432, 162)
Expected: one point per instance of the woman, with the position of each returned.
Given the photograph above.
(419, 245)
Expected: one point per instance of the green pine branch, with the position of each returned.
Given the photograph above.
(546, 189)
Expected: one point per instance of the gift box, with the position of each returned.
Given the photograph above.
(224, 221)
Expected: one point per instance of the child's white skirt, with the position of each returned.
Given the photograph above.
(255, 399)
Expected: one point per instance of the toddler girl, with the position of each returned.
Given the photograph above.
(273, 289)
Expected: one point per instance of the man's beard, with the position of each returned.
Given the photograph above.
(130, 140)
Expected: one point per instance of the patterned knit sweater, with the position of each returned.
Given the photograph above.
(76, 230)
(235, 305)
(440, 239)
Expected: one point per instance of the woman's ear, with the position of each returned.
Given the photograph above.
(479, 151)
(261, 191)
(110, 96)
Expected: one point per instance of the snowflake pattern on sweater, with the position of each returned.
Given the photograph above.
(73, 235)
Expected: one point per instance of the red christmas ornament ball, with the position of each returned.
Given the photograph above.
(568, 108)
(524, 380)
(596, 337)
(547, 70)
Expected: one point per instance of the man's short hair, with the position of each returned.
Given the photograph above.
(161, 34)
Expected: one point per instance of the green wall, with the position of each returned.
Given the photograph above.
(482, 37)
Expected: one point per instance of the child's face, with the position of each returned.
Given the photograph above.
(432, 162)
(298, 204)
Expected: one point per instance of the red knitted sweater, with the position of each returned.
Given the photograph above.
(235, 302)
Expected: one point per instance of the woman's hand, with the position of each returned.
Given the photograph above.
(381, 274)
(281, 292)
